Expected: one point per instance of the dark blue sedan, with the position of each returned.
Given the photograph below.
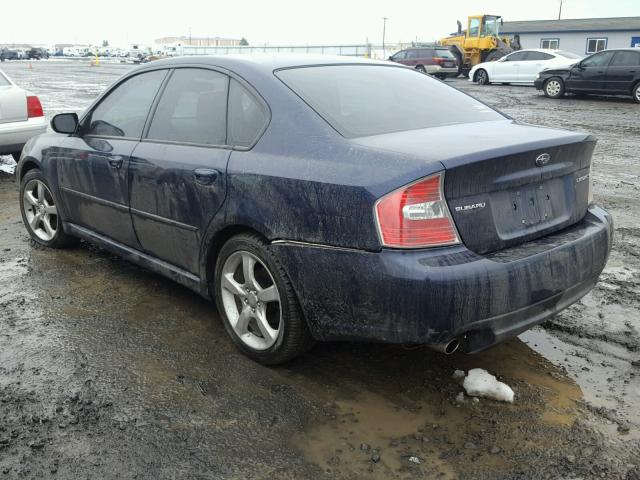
(322, 198)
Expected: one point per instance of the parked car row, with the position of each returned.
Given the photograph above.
(556, 72)
(23, 54)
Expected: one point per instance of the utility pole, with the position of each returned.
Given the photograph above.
(560, 11)
(384, 31)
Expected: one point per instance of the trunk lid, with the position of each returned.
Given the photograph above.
(13, 104)
(505, 183)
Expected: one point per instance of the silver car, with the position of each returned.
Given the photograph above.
(21, 117)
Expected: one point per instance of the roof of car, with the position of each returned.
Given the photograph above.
(266, 62)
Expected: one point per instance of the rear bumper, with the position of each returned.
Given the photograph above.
(438, 69)
(433, 296)
(14, 135)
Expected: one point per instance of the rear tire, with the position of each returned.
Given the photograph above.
(554, 87)
(39, 211)
(257, 303)
(421, 69)
(482, 77)
(636, 93)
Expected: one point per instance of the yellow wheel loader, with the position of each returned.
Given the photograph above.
(480, 42)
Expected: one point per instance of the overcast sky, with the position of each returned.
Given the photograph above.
(284, 22)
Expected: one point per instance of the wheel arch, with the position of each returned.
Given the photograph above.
(212, 246)
(26, 165)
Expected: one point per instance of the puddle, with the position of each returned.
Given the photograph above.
(415, 415)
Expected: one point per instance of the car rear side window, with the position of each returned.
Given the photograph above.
(442, 53)
(192, 109)
(516, 57)
(124, 111)
(362, 100)
(247, 117)
(538, 56)
(424, 53)
(625, 58)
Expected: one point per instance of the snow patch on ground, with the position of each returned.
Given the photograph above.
(480, 383)
(7, 165)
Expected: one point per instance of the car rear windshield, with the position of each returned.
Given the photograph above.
(363, 100)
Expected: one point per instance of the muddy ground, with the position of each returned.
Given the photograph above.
(109, 371)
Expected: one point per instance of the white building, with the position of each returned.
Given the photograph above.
(581, 36)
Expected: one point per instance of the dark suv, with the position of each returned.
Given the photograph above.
(436, 61)
(610, 72)
(37, 54)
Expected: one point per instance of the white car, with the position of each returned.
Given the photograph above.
(21, 117)
(522, 66)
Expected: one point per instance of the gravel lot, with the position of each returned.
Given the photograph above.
(109, 371)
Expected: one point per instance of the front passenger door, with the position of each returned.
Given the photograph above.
(591, 73)
(92, 170)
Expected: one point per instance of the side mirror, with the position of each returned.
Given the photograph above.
(65, 123)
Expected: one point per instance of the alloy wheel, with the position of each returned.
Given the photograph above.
(251, 300)
(482, 77)
(553, 87)
(638, 94)
(40, 210)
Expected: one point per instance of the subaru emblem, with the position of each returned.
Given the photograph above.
(543, 159)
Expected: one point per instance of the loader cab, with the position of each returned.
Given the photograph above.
(483, 26)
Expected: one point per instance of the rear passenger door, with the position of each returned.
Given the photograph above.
(622, 71)
(177, 173)
(533, 64)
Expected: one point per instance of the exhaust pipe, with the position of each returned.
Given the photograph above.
(447, 347)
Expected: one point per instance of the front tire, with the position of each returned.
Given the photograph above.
(257, 303)
(554, 87)
(482, 77)
(636, 93)
(40, 212)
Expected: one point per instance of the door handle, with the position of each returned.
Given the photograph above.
(205, 176)
(115, 161)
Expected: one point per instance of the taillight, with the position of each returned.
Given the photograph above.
(34, 108)
(416, 215)
(438, 60)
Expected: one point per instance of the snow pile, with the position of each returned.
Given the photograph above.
(480, 383)
(7, 165)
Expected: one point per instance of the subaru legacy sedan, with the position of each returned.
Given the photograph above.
(325, 198)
